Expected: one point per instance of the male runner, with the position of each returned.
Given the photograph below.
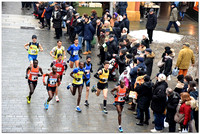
(102, 75)
(74, 50)
(33, 49)
(77, 75)
(61, 69)
(53, 82)
(59, 49)
(120, 97)
(33, 78)
(88, 69)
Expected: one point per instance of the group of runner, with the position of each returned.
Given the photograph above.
(81, 74)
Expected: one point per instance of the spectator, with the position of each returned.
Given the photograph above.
(173, 18)
(114, 19)
(187, 80)
(112, 47)
(121, 23)
(184, 57)
(133, 50)
(145, 41)
(168, 63)
(93, 18)
(79, 29)
(121, 61)
(57, 21)
(151, 24)
(69, 13)
(40, 12)
(183, 9)
(117, 30)
(123, 34)
(129, 59)
(48, 14)
(107, 26)
(148, 60)
(101, 42)
(180, 84)
(144, 92)
(172, 102)
(106, 16)
(185, 109)
(88, 35)
(122, 7)
(99, 27)
(126, 22)
(158, 103)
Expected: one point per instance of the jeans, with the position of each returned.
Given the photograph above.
(88, 45)
(159, 121)
(64, 23)
(175, 25)
(80, 41)
(182, 14)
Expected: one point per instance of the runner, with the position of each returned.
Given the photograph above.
(33, 78)
(120, 97)
(77, 75)
(59, 49)
(53, 82)
(74, 50)
(88, 69)
(102, 75)
(61, 69)
(33, 49)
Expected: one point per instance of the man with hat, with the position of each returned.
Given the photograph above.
(173, 18)
(184, 57)
(151, 24)
(148, 60)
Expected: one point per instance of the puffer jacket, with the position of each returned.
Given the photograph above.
(89, 31)
(185, 56)
(117, 30)
(185, 109)
(148, 61)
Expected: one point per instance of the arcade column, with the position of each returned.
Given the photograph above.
(133, 11)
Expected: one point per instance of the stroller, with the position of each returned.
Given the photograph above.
(112, 70)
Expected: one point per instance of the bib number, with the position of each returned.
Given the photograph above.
(120, 98)
(34, 77)
(75, 52)
(52, 82)
(78, 81)
(59, 69)
(33, 51)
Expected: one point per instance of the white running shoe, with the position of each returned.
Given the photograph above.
(57, 99)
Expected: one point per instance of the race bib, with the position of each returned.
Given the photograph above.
(52, 81)
(79, 80)
(59, 69)
(120, 98)
(34, 77)
(75, 52)
(87, 71)
(33, 51)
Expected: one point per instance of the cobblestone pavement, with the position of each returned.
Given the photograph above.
(18, 116)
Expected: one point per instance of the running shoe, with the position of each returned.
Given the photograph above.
(105, 111)
(46, 105)
(28, 100)
(78, 109)
(120, 129)
(68, 86)
(57, 99)
(93, 89)
(86, 103)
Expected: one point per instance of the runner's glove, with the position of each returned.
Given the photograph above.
(26, 77)
(115, 96)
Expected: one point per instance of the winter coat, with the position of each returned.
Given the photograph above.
(123, 36)
(79, 29)
(121, 25)
(168, 66)
(184, 57)
(68, 13)
(99, 27)
(122, 7)
(112, 48)
(158, 103)
(172, 103)
(151, 22)
(126, 23)
(133, 50)
(174, 14)
(144, 92)
(57, 19)
(133, 72)
(117, 30)
(185, 109)
(94, 24)
(41, 9)
(179, 87)
(183, 7)
(148, 61)
(121, 60)
(145, 42)
(48, 12)
(88, 31)
(194, 94)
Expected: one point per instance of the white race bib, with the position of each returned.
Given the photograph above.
(75, 52)
(52, 81)
(59, 69)
(34, 77)
(120, 98)
(33, 51)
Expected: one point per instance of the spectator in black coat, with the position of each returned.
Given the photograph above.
(111, 48)
(121, 23)
(79, 29)
(168, 63)
(127, 43)
(99, 27)
(144, 92)
(151, 24)
(40, 12)
(172, 102)
(69, 13)
(123, 34)
(57, 20)
(121, 6)
(117, 30)
(126, 21)
(145, 41)
(180, 84)
(129, 59)
(121, 61)
(158, 103)
(148, 60)
(48, 14)
(187, 80)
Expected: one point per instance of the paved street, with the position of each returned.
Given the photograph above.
(18, 116)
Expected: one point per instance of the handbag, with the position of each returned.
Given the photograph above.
(179, 118)
(160, 63)
(175, 71)
(178, 23)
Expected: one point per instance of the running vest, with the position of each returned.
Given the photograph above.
(104, 75)
(87, 70)
(52, 80)
(33, 75)
(60, 67)
(79, 74)
(33, 48)
(59, 51)
(121, 94)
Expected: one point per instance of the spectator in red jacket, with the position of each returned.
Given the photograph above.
(185, 109)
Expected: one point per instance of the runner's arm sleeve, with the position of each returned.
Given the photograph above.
(65, 67)
(91, 69)
(79, 53)
(51, 65)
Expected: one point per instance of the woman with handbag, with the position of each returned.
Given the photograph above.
(185, 109)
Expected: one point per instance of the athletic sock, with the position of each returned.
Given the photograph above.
(119, 126)
(77, 106)
(104, 103)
